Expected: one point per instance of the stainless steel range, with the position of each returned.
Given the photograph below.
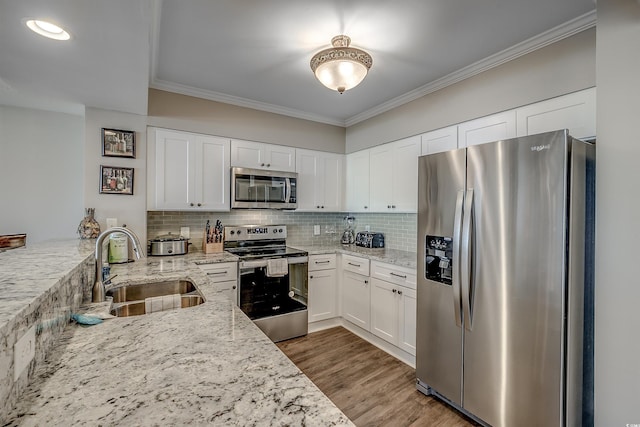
(272, 279)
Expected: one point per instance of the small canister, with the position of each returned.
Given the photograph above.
(118, 248)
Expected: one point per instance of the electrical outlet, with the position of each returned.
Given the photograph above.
(23, 352)
(367, 228)
(185, 232)
(316, 230)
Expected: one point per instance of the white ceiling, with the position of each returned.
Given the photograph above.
(256, 53)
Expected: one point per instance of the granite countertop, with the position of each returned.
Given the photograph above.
(207, 364)
(390, 256)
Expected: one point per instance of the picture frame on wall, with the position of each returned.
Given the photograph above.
(116, 180)
(118, 143)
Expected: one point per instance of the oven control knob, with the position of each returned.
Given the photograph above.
(239, 231)
(280, 230)
(232, 232)
(275, 230)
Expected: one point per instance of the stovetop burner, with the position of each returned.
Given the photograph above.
(259, 242)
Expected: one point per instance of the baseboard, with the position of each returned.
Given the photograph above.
(391, 349)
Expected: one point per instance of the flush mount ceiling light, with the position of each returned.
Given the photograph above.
(341, 67)
(47, 29)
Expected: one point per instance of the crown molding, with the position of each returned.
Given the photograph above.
(568, 29)
(243, 102)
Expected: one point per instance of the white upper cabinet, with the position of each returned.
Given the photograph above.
(357, 194)
(440, 140)
(575, 111)
(188, 172)
(393, 176)
(487, 129)
(320, 180)
(257, 155)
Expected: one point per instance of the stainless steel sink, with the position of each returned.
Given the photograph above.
(130, 300)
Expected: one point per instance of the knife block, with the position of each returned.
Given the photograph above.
(210, 248)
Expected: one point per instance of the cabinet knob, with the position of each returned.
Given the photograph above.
(234, 286)
(310, 277)
(190, 204)
(317, 206)
(366, 281)
(268, 165)
(393, 206)
(399, 292)
(322, 207)
(199, 204)
(394, 291)
(388, 206)
(261, 164)
(366, 207)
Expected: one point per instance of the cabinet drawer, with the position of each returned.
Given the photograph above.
(394, 274)
(322, 262)
(220, 272)
(355, 264)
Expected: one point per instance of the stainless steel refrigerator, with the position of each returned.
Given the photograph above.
(505, 280)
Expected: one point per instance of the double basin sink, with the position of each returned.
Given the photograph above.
(135, 300)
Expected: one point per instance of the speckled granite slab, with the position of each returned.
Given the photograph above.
(204, 365)
(390, 256)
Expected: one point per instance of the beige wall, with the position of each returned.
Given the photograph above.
(174, 111)
(617, 331)
(558, 69)
(129, 210)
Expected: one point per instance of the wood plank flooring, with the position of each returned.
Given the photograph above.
(371, 387)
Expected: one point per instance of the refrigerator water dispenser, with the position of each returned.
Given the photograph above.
(438, 258)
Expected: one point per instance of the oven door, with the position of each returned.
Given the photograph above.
(262, 295)
(261, 189)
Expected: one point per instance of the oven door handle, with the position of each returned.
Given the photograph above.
(263, 262)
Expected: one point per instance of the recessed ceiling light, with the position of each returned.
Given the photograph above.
(47, 29)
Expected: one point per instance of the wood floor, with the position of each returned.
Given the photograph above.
(371, 387)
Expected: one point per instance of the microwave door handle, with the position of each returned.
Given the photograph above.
(287, 193)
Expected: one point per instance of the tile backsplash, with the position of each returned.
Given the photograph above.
(399, 229)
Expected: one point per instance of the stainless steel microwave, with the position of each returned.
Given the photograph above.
(263, 189)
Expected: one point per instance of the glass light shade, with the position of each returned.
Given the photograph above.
(341, 67)
(341, 75)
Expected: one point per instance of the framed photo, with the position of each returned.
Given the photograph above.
(118, 143)
(116, 180)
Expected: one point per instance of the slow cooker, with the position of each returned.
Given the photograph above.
(168, 244)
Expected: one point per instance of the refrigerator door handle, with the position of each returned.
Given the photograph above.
(465, 258)
(455, 273)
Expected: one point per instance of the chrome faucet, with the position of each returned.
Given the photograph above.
(98, 286)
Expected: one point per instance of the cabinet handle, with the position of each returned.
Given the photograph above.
(216, 273)
(397, 275)
(322, 262)
(355, 265)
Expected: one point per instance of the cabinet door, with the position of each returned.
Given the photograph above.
(575, 111)
(332, 178)
(407, 319)
(247, 154)
(357, 197)
(384, 310)
(308, 180)
(440, 140)
(356, 299)
(279, 158)
(212, 173)
(322, 295)
(487, 129)
(174, 178)
(381, 177)
(405, 175)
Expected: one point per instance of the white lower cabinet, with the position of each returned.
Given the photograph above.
(356, 305)
(393, 305)
(323, 287)
(225, 276)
